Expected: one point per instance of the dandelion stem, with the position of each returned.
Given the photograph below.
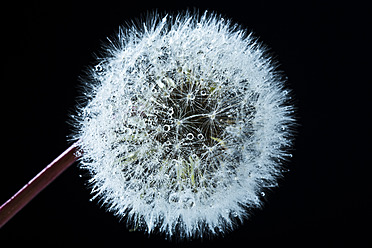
(37, 184)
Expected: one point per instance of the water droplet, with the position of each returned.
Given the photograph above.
(190, 136)
(263, 193)
(98, 68)
(200, 136)
(203, 93)
(166, 128)
(194, 156)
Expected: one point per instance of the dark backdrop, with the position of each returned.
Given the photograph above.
(323, 200)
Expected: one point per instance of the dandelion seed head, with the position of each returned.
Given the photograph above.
(185, 125)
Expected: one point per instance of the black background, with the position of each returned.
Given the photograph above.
(323, 201)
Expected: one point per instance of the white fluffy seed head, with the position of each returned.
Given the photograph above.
(185, 125)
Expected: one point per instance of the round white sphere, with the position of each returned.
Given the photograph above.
(185, 124)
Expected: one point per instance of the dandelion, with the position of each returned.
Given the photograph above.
(185, 125)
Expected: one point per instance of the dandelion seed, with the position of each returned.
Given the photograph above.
(208, 119)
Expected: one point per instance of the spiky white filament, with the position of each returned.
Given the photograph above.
(186, 124)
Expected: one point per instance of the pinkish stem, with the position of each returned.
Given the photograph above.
(37, 184)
